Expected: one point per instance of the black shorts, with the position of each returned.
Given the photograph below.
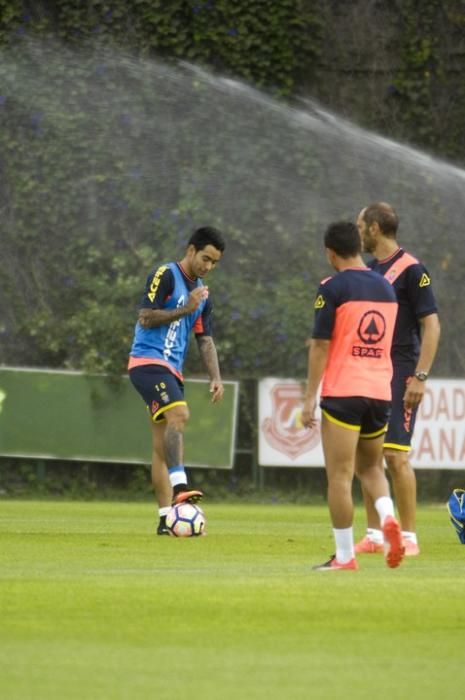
(402, 422)
(159, 388)
(369, 416)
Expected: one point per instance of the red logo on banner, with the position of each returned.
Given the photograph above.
(284, 430)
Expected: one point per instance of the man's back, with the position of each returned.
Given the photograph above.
(356, 310)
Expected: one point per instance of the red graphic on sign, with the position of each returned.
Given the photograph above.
(284, 430)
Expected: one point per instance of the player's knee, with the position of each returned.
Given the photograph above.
(177, 417)
(398, 463)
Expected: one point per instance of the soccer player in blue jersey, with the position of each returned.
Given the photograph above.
(175, 303)
(416, 338)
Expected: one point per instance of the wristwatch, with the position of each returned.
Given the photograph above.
(421, 376)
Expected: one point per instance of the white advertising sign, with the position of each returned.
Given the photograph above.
(439, 437)
(438, 443)
(283, 441)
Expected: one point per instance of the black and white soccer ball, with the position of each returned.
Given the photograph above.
(186, 520)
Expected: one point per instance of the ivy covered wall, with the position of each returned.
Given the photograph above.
(397, 67)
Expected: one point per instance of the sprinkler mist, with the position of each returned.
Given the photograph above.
(126, 151)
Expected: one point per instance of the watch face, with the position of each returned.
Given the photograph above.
(422, 376)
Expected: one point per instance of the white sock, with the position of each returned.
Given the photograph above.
(375, 536)
(385, 506)
(177, 475)
(164, 511)
(344, 544)
(410, 536)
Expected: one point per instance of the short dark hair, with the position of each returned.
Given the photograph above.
(207, 235)
(384, 215)
(343, 238)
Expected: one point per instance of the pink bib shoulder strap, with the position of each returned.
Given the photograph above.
(399, 266)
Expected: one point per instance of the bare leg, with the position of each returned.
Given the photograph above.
(176, 419)
(342, 448)
(339, 446)
(370, 471)
(404, 486)
(160, 478)
(372, 515)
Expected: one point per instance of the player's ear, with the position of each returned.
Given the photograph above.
(330, 256)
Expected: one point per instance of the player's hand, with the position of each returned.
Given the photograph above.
(414, 393)
(217, 391)
(196, 297)
(308, 413)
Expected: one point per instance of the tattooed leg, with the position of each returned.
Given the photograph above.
(174, 443)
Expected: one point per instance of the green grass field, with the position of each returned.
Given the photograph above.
(94, 605)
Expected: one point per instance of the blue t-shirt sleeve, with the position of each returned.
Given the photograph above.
(325, 312)
(203, 325)
(420, 291)
(158, 287)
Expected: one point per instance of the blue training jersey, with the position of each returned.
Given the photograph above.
(167, 345)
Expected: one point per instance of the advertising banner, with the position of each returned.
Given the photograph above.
(439, 437)
(438, 443)
(71, 415)
(283, 440)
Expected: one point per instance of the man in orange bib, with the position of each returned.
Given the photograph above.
(350, 354)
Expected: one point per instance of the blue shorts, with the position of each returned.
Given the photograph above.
(369, 416)
(402, 422)
(159, 388)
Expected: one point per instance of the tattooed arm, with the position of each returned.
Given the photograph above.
(209, 357)
(151, 318)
